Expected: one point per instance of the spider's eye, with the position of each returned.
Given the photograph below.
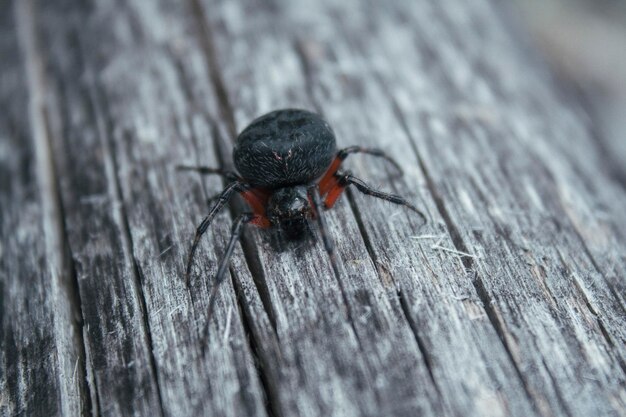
(297, 207)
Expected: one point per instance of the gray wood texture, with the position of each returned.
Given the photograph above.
(509, 302)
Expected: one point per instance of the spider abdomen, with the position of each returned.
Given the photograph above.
(284, 148)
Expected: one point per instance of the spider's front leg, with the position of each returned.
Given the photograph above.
(341, 156)
(349, 179)
(255, 197)
(335, 186)
(331, 185)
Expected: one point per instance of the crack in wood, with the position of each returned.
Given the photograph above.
(272, 406)
(226, 110)
(65, 286)
(272, 397)
(223, 147)
(308, 83)
(76, 301)
(406, 309)
(99, 106)
(594, 311)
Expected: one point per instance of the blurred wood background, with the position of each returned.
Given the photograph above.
(510, 302)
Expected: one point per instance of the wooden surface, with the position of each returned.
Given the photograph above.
(509, 302)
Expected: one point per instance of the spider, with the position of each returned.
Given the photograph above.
(288, 173)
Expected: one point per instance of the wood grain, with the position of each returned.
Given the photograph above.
(41, 350)
(509, 302)
(153, 325)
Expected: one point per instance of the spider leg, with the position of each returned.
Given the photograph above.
(204, 225)
(229, 175)
(329, 180)
(235, 234)
(256, 199)
(349, 179)
(343, 154)
(341, 181)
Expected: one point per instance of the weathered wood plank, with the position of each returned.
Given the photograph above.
(116, 336)
(513, 192)
(509, 302)
(126, 122)
(41, 351)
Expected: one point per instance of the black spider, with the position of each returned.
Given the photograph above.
(288, 168)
